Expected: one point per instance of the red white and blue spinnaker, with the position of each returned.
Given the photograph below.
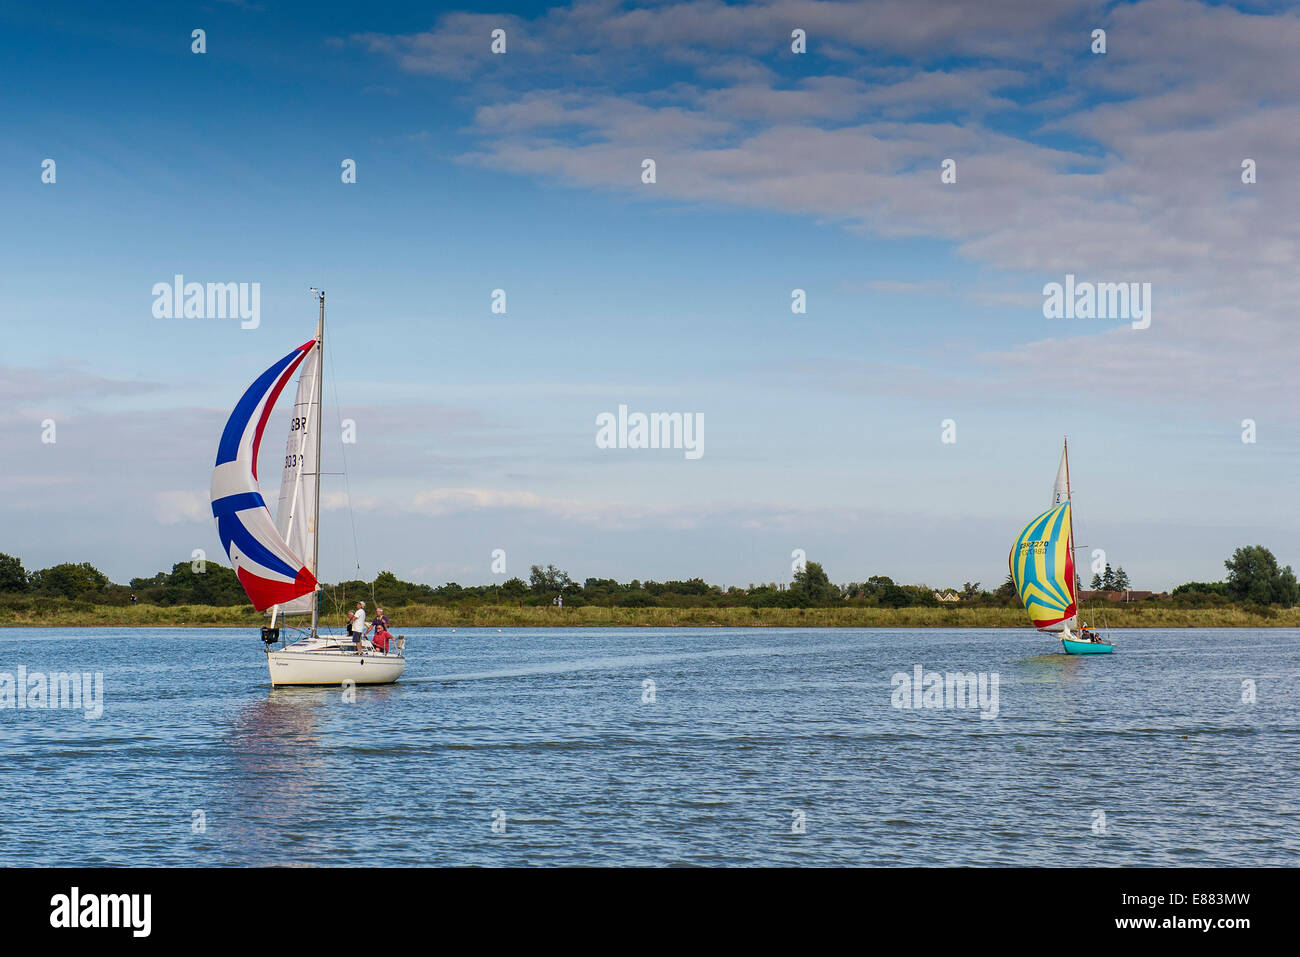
(267, 567)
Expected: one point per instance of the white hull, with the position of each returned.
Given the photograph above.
(321, 661)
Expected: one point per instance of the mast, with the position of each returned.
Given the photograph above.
(1069, 498)
(315, 522)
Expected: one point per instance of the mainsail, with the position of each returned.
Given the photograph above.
(1061, 487)
(1042, 567)
(295, 516)
(269, 569)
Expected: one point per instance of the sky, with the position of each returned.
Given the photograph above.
(775, 171)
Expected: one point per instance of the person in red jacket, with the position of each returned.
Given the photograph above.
(380, 626)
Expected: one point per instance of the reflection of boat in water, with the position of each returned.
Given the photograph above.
(276, 560)
(276, 771)
(276, 736)
(1043, 569)
(294, 776)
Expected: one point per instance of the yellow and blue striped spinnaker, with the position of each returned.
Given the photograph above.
(1042, 567)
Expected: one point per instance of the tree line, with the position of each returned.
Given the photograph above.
(1111, 579)
(1253, 577)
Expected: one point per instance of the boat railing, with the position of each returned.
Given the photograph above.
(331, 643)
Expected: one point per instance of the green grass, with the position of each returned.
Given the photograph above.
(1146, 615)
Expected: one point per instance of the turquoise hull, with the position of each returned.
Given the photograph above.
(1085, 647)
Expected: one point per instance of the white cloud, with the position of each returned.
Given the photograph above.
(181, 507)
(1141, 186)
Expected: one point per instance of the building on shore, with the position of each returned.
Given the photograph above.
(1128, 595)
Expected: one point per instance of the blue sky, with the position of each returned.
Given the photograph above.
(775, 171)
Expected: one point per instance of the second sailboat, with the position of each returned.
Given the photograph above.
(1043, 569)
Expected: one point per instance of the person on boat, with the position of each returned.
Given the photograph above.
(380, 625)
(357, 625)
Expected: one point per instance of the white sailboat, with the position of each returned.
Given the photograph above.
(276, 560)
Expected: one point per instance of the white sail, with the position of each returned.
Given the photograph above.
(1061, 493)
(295, 516)
(1061, 488)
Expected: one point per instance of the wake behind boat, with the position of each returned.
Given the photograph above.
(265, 553)
(1043, 569)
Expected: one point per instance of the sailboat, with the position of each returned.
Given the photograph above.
(276, 559)
(1043, 569)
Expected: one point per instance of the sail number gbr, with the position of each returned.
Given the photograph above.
(295, 459)
(1038, 547)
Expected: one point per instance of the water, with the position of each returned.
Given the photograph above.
(747, 727)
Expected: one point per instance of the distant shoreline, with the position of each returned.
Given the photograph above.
(597, 616)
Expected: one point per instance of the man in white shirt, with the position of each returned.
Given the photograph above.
(357, 626)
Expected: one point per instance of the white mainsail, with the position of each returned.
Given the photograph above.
(1061, 488)
(1061, 493)
(295, 516)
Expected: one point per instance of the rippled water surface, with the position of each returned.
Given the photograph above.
(746, 728)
